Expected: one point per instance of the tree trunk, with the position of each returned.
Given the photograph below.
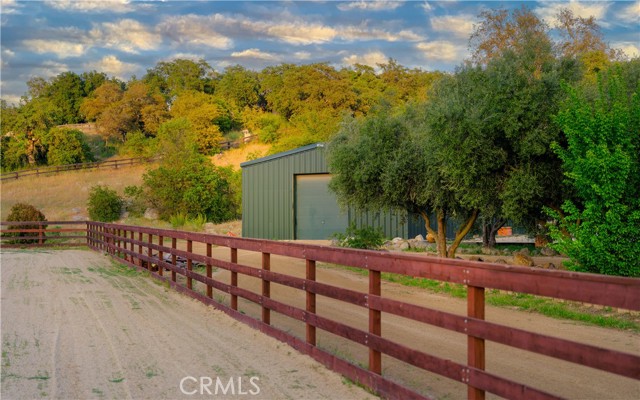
(462, 232)
(489, 230)
(441, 239)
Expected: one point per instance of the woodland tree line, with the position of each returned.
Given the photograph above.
(537, 126)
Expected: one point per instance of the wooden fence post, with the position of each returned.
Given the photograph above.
(174, 243)
(266, 287)
(375, 325)
(160, 255)
(40, 235)
(234, 279)
(475, 346)
(149, 250)
(209, 272)
(189, 264)
(311, 301)
(139, 248)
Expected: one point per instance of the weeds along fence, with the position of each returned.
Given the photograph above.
(176, 253)
(115, 164)
(43, 233)
(185, 261)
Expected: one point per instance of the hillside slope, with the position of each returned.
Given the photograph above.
(64, 196)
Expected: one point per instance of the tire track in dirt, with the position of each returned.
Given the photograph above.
(105, 333)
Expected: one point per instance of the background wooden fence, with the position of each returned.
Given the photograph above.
(124, 162)
(170, 256)
(43, 233)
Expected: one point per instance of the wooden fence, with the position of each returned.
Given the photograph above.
(224, 145)
(148, 248)
(161, 251)
(43, 233)
(115, 164)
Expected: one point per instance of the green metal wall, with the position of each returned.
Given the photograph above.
(268, 197)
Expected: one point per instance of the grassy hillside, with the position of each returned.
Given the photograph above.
(64, 196)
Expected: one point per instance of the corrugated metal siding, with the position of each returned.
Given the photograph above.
(267, 188)
(268, 196)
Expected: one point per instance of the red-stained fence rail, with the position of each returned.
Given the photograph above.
(144, 248)
(43, 233)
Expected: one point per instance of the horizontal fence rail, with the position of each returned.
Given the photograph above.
(41, 171)
(43, 233)
(124, 162)
(157, 251)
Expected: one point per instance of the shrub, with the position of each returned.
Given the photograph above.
(366, 237)
(104, 204)
(67, 146)
(194, 188)
(24, 212)
(134, 201)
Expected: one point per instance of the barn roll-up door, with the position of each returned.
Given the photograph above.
(317, 214)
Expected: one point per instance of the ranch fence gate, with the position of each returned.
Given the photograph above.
(172, 253)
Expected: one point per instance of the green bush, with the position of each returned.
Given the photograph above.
(67, 146)
(104, 204)
(194, 187)
(599, 230)
(24, 213)
(366, 237)
(134, 201)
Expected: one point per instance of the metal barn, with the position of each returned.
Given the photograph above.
(286, 196)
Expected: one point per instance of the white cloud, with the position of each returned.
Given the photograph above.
(630, 14)
(185, 56)
(254, 54)
(598, 10)
(8, 53)
(194, 29)
(47, 69)
(10, 7)
(112, 66)
(441, 50)
(632, 49)
(302, 55)
(126, 35)
(427, 7)
(460, 25)
(370, 5)
(301, 33)
(363, 32)
(60, 48)
(371, 59)
(89, 6)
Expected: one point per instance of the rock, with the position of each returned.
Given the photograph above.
(489, 251)
(404, 245)
(431, 238)
(475, 258)
(151, 213)
(524, 251)
(397, 240)
(548, 252)
(335, 242)
(522, 259)
(419, 238)
(419, 244)
(549, 265)
(500, 261)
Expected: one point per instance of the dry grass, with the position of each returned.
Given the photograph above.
(64, 196)
(235, 157)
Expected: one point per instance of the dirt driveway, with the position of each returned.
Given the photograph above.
(74, 325)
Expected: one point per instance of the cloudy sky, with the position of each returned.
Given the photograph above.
(124, 38)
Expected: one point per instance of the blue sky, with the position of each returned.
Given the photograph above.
(124, 38)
